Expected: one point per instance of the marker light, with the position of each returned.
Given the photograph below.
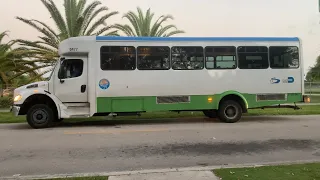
(210, 99)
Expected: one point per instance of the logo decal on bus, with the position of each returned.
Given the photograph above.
(274, 80)
(289, 80)
(104, 84)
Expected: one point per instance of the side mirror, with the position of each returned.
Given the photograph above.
(61, 62)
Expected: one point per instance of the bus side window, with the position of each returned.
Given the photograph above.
(153, 57)
(284, 57)
(223, 57)
(209, 62)
(187, 58)
(253, 57)
(117, 58)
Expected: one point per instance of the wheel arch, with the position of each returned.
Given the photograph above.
(38, 98)
(236, 96)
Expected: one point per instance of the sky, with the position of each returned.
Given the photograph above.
(299, 18)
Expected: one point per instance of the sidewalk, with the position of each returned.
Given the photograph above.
(165, 174)
(192, 175)
(187, 173)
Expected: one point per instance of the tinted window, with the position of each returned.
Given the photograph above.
(253, 57)
(284, 57)
(70, 68)
(118, 58)
(153, 58)
(220, 57)
(187, 58)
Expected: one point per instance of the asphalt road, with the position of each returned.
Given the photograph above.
(102, 147)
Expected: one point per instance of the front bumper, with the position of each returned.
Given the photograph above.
(15, 110)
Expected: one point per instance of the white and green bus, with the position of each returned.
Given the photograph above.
(221, 76)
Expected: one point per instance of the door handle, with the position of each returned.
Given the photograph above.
(83, 88)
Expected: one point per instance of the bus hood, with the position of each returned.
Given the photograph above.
(35, 85)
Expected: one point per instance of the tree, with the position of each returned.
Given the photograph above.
(14, 61)
(314, 72)
(79, 20)
(141, 25)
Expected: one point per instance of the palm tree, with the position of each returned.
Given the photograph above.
(141, 25)
(79, 20)
(14, 62)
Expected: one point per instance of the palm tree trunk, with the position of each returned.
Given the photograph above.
(5, 82)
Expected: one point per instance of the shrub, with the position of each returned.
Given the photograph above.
(6, 102)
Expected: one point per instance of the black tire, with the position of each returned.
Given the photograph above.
(40, 116)
(210, 113)
(58, 120)
(230, 111)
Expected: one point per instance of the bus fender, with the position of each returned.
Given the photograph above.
(231, 93)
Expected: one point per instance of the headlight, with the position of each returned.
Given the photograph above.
(17, 98)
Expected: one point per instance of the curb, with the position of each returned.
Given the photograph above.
(195, 168)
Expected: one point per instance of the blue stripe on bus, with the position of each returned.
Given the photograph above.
(122, 38)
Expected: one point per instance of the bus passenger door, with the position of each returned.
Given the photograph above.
(71, 81)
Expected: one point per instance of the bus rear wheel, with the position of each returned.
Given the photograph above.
(230, 111)
(210, 113)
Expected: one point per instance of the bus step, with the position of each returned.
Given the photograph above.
(125, 114)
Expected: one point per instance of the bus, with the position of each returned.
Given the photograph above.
(222, 77)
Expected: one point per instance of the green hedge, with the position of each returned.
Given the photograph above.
(6, 102)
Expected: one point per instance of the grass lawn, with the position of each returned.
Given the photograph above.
(315, 99)
(283, 172)
(6, 117)
(311, 90)
(84, 178)
(305, 110)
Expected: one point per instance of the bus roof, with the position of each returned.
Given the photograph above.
(123, 38)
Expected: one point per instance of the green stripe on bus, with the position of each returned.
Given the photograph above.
(197, 102)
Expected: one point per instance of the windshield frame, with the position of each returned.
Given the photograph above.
(55, 66)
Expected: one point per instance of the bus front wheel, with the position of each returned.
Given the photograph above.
(40, 116)
(230, 111)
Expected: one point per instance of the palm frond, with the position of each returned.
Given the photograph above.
(125, 29)
(79, 19)
(56, 16)
(163, 30)
(88, 15)
(2, 35)
(174, 33)
(112, 33)
(99, 22)
(141, 24)
(44, 31)
(71, 15)
(135, 22)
